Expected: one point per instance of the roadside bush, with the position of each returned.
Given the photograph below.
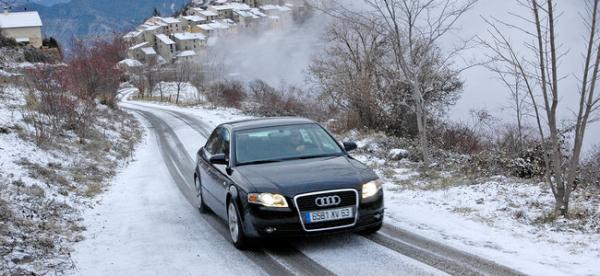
(529, 163)
(92, 71)
(50, 42)
(268, 101)
(227, 94)
(457, 138)
(590, 170)
(34, 55)
(51, 108)
(7, 41)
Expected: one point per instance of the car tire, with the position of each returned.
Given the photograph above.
(199, 198)
(371, 230)
(234, 224)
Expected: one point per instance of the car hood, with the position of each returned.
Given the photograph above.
(303, 176)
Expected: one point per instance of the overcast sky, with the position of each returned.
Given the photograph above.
(483, 89)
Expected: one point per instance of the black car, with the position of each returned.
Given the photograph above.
(281, 177)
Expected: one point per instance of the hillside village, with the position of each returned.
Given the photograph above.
(186, 37)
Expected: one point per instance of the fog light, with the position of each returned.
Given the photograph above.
(270, 230)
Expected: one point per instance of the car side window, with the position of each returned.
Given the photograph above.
(214, 143)
(219, 142)
(225, 141)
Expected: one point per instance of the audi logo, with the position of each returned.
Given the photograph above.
(328, 201)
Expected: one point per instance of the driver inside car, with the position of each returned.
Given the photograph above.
(297, 142)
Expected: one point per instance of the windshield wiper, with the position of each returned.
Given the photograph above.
(317, 156)
(259, 162)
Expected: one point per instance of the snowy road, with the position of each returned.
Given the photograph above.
(147, 224)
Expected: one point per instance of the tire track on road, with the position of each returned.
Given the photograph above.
(175, 156)
(443, 257)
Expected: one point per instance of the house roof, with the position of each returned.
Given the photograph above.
(189, 36)
(20, 20)
(138, 46)
(206, 27)
(219, 25)
(245, 14)
(188, 53)
(132, 34)
(195, 18)
(147, 27)
(130, 63)
(257, 12)
(149, 51)
(231, 6)
(165, 39)
(275, 8)
(208, 13)
(170, 20)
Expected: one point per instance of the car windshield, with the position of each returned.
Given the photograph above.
(280, 143)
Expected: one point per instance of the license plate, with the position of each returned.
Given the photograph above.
(328, 215)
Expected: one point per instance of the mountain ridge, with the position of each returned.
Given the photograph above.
(91, 18)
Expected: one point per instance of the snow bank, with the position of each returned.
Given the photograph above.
(188, 93)
(398, 154)
(499, 220)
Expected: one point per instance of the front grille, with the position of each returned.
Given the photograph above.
(306, 203)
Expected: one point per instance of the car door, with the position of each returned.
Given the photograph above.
(208, 172)
(217, 179)
(223, 181)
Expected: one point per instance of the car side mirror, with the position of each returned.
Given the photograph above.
(218, 159)
(350, 146)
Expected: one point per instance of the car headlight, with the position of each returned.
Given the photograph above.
(268, 200)
(371, 188)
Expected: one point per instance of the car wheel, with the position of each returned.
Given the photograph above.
(371, 230)
(199, 199)
(236, 232)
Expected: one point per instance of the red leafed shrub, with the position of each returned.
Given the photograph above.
(459, 138)
(64, 97)
(227, 94)
(92, 69)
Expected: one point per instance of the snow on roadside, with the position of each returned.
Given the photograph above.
(44, 189)
(486, 219)
(188, 93)
(212, 116)
(499, 218)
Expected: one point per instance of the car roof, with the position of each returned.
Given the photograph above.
(267, 122)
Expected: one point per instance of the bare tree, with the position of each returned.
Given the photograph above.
(151, 73)
(349, 72)
(183, 75)
(416, 26)
(518, 99)
(540, 74)
(414, 29)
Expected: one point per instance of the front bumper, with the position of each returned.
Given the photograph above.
(262, 222)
